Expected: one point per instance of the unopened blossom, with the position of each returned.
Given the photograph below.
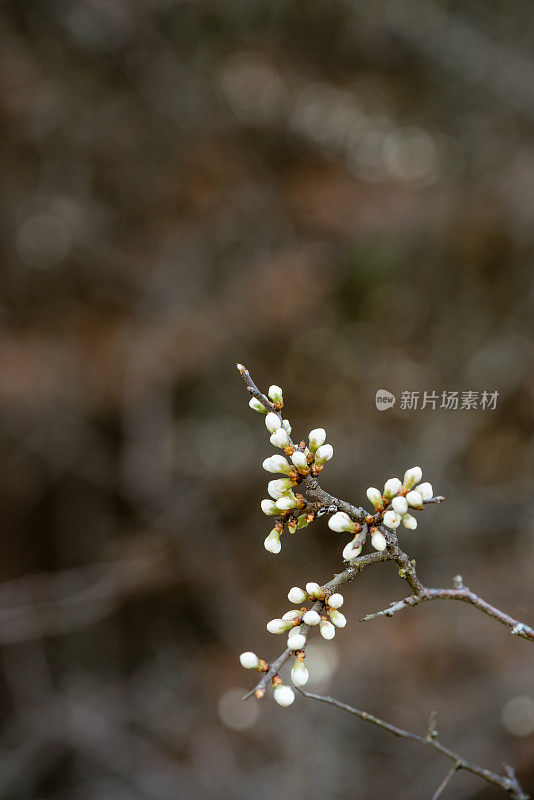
(337, 618)
(328, 630)
(287, 425)
(249, 660)
(378, 541)
(351, 550)
(291, 524)
(425, 490)
(299, 673)
(277, 464)
(316, 438)
(392, 519)
(411, 477)
(414, 499)
(375, 497)
(297, 595)
(400, 504)
(284, 695)
(311, 617)
(299, 459)
(287, 502)
(279, 625)
(269, 507)
(272, 422)
(302, 521)
(293, 614)
(409, 522)
(279, 487)
(275, 394)
(336, 600)
(257, 406)
(340, 522)
(314, 590)
(272, 542)
(296, 640)
(323, 454)
(279, 438)
(392, 487)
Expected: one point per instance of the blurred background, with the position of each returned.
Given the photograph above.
(341, 196)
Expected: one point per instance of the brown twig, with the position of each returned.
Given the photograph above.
(507, 782)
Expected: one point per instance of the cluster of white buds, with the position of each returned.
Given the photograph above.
(393, 503)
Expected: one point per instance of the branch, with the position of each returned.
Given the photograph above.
(507, 782)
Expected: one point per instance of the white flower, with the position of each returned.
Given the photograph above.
(249, 660)
(257, 406)
(299, 673)
(400, 505)
(276, 464)
(287, 425)
(351, 551)
(279, 438)
(378, 541)
(293, 614)
(279, 625)
(316, 438)
(314, 590)
(425, 490)
(412, 476)
(414, 499)
(297, 595)
(272, 543)
(272, 422)
(328, 631)
(392, 487)
(268, 507)
(311, 617)
(375, 497)
(337, 618)
(409, 522)
(284, 695)
(392, 519)
(279, 487)
(340, 522)
(323, 454)
(336, 600)
(296, 640)
(275, 394)
(287, 502)
(299, 460)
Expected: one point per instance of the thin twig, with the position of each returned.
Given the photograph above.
(507, 782)
(446, 780)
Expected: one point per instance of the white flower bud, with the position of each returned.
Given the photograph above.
(268, 507)
(311, 617)
(375, 497)
(272, 543)
(279, 438)
(378, 541)
(299, 460)
(316, 438)
(276, 464)
(400, 505)
(272, 422)
(293, 614)
(279, 625)
(409, 522)
(287, 502)
(351, 551)
(392, 519)
(336, 600)
(414, 499)
(328, 631)
(323, 454)
(284, 695)
(299, 673)
(297, 595)
(275, 394)
(392, 487)
(337, 618)
(425, 490)
(412, 476)
(249, 660)
(296, 640)
(314, 590)
(287, 425)
(340, 522)
(257, 406)
(279, 487)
